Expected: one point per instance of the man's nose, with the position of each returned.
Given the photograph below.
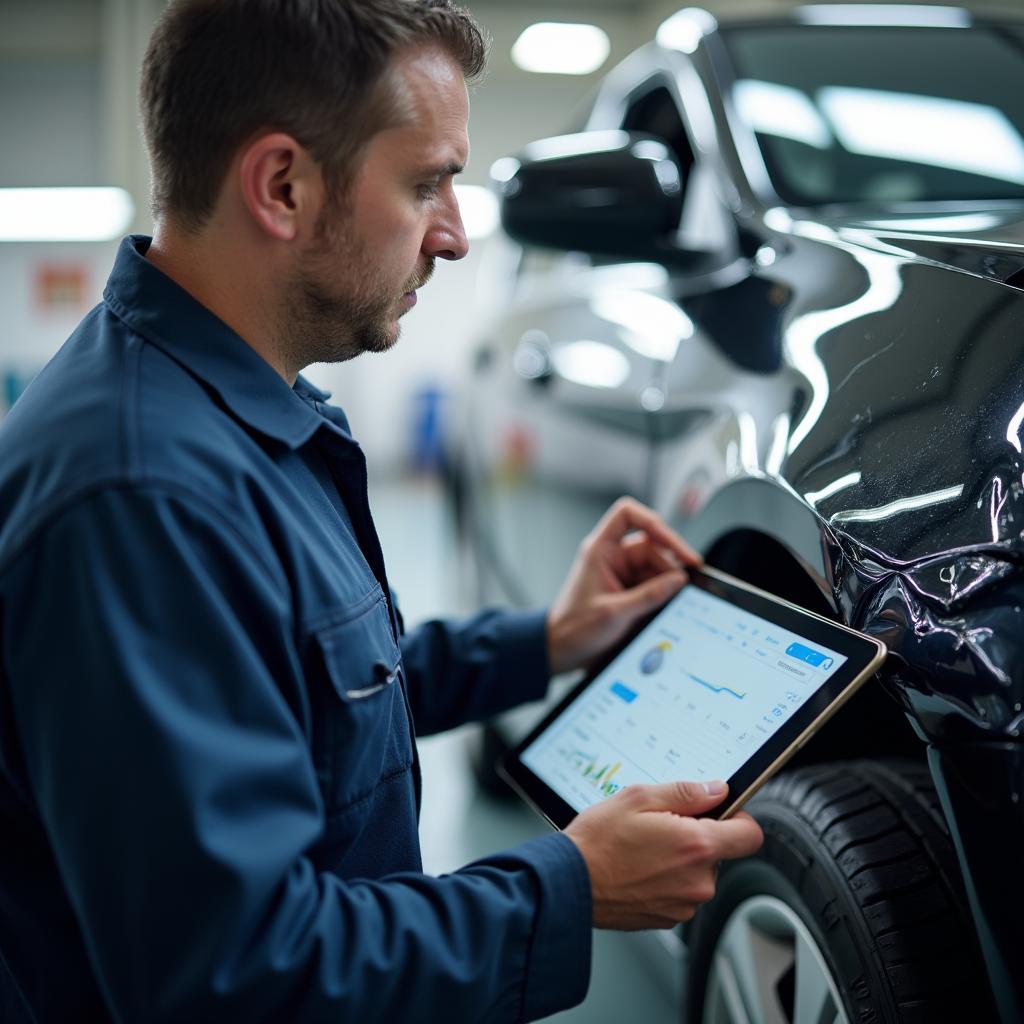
(446, 238)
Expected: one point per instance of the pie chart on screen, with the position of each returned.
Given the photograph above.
(654, 658)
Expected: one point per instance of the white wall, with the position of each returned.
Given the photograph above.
(68, 76)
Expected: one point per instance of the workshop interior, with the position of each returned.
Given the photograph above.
(760, 266)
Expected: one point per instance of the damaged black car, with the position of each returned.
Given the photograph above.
(775, 289)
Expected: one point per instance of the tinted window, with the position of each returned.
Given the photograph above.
(884, 114)
(656, 113)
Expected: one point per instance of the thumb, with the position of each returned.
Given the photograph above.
(650, 594)
(683, 798)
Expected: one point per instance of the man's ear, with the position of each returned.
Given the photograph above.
(281, 185)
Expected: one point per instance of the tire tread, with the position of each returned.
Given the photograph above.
(882, 827)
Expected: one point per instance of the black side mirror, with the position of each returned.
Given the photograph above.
(615, 193)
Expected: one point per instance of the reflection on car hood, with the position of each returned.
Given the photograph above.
(988, 242)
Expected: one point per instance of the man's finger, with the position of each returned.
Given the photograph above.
(643, 555)
(651, 594)
(683, 798)
(739, 836)
(627, 515)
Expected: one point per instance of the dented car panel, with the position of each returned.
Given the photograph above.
(905, 444)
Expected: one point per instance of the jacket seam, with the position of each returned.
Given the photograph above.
(130, 422)
(335, 617)
(146, 335)
(336, 813)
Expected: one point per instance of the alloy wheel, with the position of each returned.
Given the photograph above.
(768, 969)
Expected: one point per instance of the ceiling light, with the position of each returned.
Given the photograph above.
(556, 48)
(479, 209)
(64, 214)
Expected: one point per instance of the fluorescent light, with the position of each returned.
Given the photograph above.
(64, 214)
(685, 29)
(479, 209)
(972, 137)
(556, 48)
(904, 15)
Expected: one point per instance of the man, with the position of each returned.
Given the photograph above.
(209, 788)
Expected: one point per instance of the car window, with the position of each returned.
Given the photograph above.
(890, 114)
(655, 113)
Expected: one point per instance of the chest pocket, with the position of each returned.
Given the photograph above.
(360, 729)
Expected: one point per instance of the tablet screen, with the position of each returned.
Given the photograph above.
(694, 696)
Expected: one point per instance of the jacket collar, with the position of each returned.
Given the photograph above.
(164, 313)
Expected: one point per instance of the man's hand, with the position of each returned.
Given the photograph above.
(650, 867)
(628, 565)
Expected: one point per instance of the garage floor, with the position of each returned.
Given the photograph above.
(634, 977)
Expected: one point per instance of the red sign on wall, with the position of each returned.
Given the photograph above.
(61, 288)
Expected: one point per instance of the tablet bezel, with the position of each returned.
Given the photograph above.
(864, 655)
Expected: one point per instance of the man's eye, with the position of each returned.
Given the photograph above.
(426, 191)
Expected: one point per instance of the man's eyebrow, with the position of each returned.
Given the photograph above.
(452, 167)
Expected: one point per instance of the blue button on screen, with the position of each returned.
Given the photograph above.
(623, 692)
(802, 653)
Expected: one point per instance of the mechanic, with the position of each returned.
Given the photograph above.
(208, 778)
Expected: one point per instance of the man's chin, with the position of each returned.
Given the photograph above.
(387, 337)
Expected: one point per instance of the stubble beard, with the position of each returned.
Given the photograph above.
(325, 323)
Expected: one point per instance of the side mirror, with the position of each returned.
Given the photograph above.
(615, 193)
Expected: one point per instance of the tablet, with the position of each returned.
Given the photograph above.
(723, 682)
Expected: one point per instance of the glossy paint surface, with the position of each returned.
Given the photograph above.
(893, 414)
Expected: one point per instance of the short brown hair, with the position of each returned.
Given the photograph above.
(218, 71)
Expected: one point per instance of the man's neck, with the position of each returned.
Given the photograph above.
(232, 287)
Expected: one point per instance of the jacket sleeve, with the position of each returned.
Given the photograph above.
(158, 708)
(466, 671)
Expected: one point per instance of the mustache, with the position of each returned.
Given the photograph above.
(422, 277)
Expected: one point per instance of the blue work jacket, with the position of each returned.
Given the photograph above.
(208, 779)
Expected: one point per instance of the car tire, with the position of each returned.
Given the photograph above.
(852, 911)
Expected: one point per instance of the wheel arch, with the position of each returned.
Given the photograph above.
(872, 724)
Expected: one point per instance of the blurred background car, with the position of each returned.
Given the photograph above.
(774, 289)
